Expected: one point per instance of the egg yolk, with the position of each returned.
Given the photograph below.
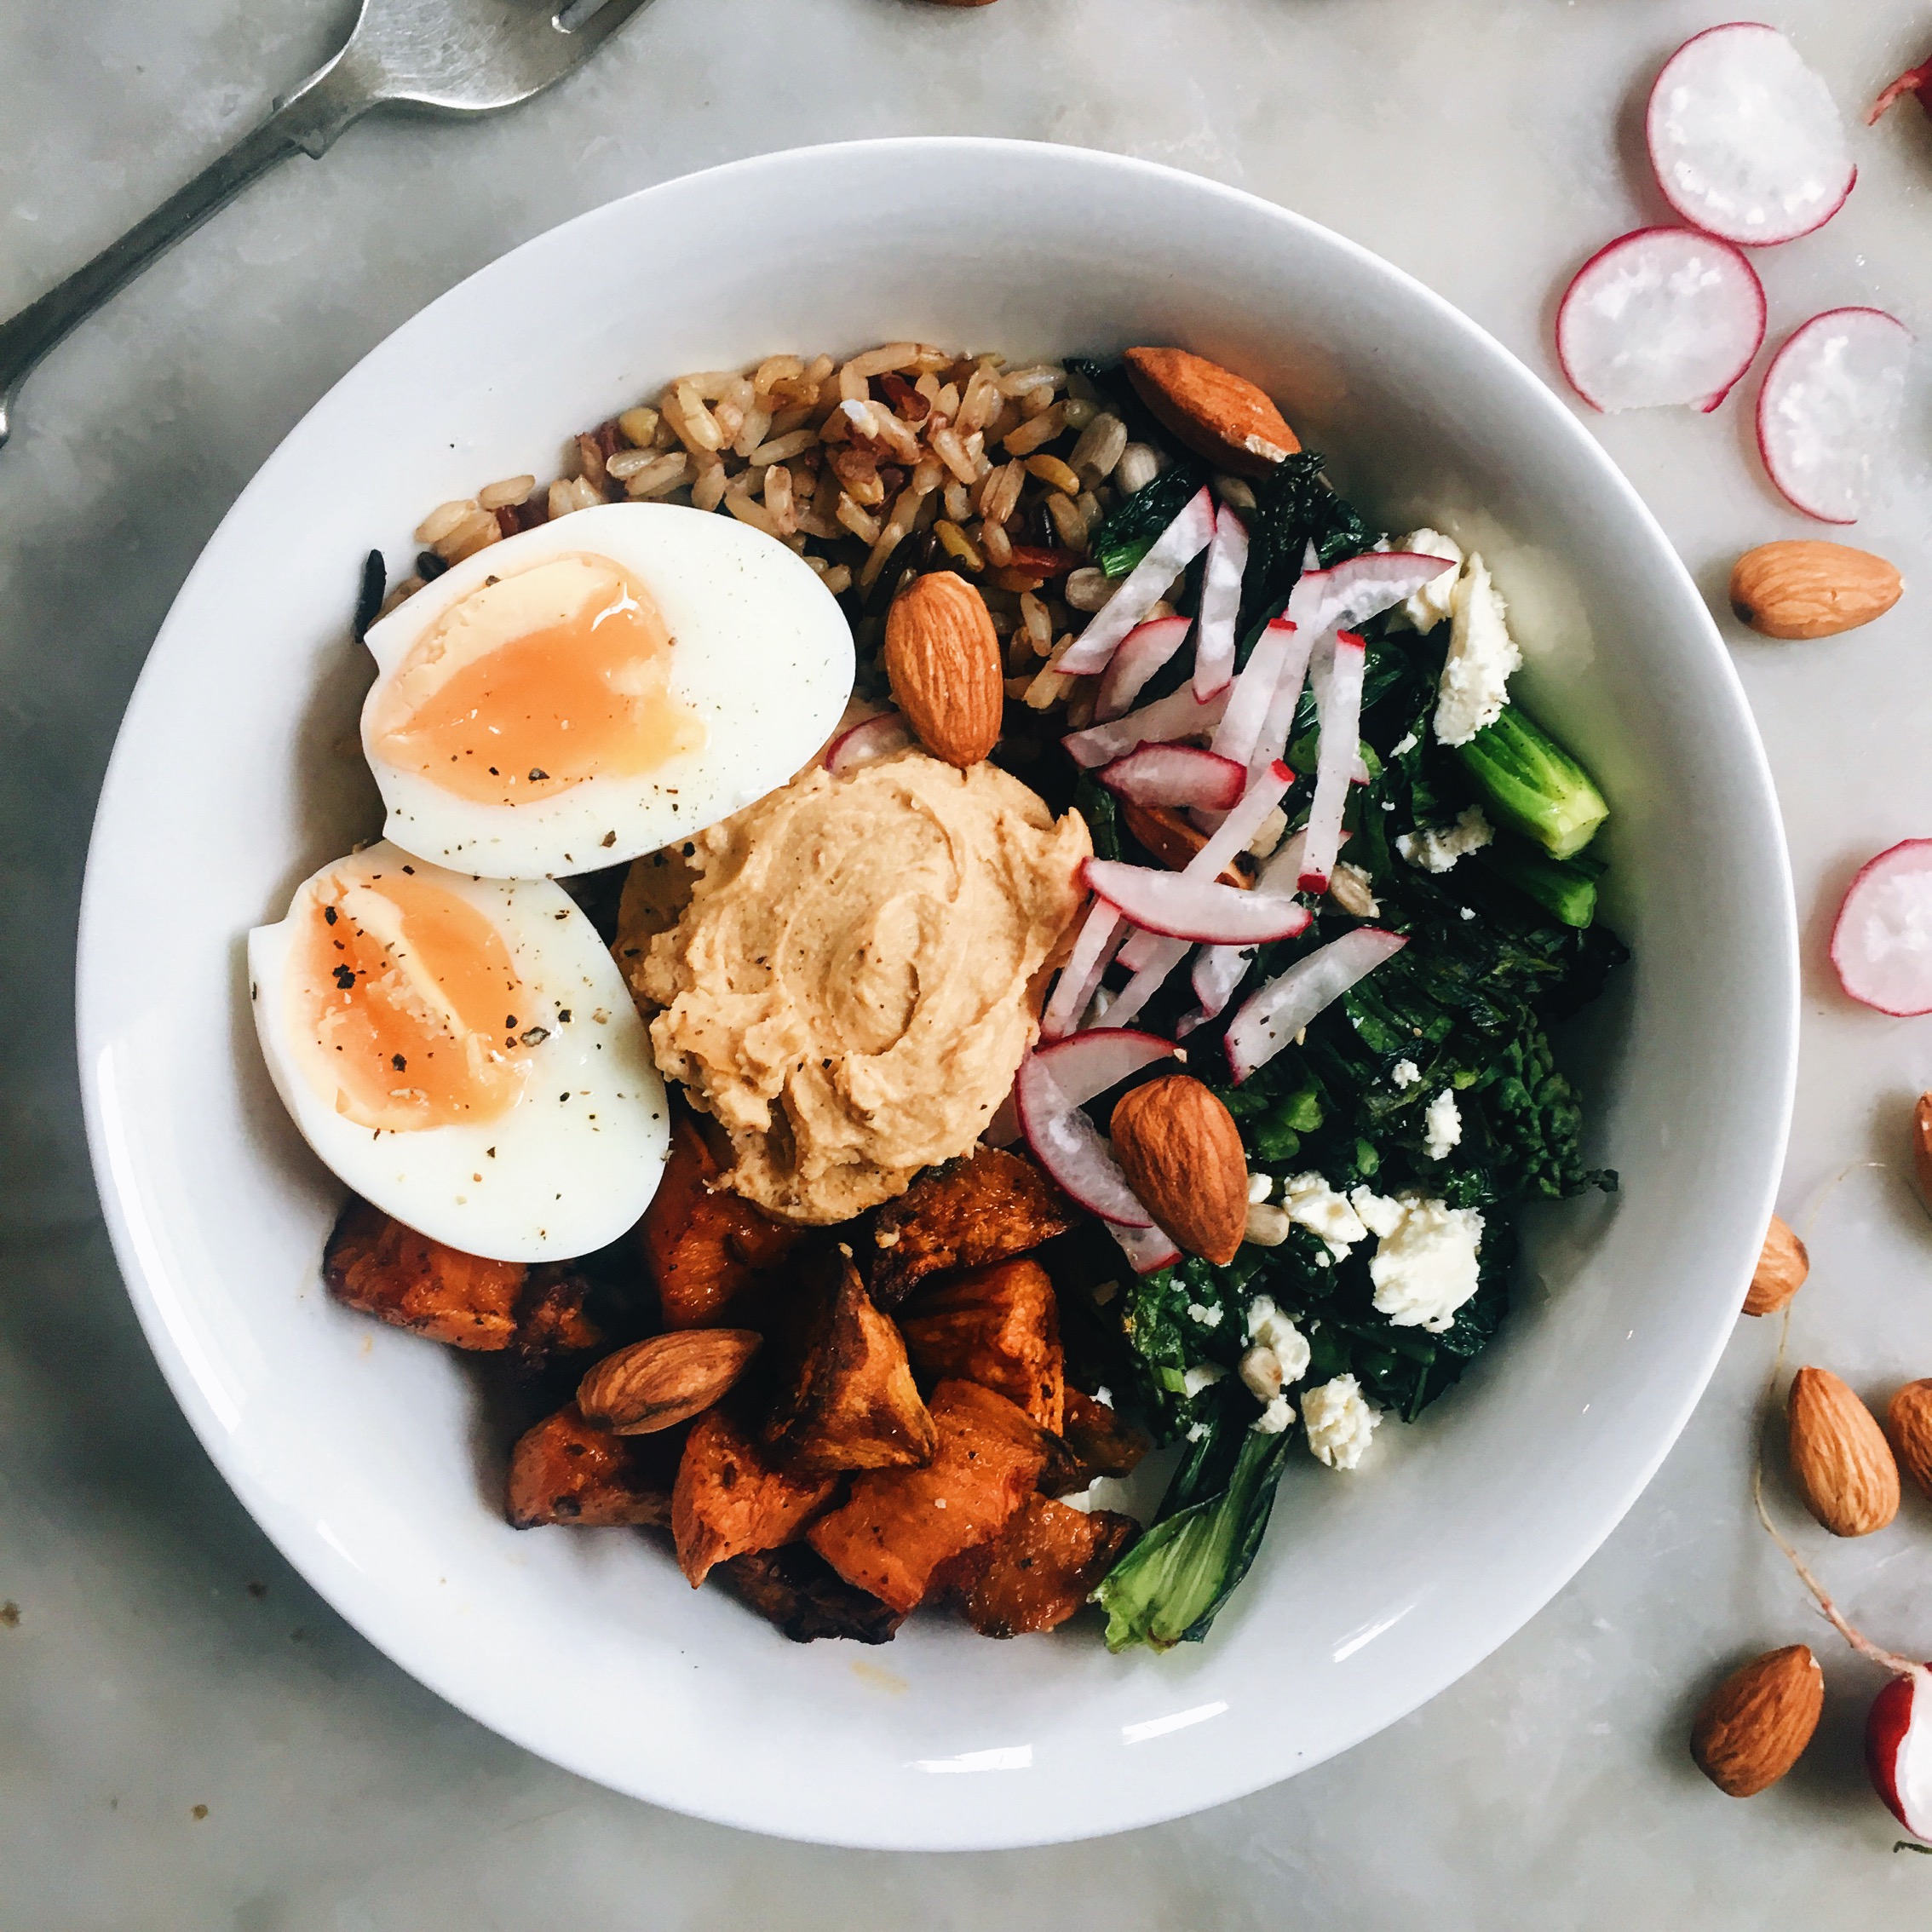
(411, 1003)
(535, 682)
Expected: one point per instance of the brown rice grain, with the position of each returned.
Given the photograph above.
(1068, 524)
(959, 502)
(477, 532)
(1045, 375)
(889, 356)
(782, 449)
(778, 499)
(1138, 466)
(1234, 491)
(739, 502)
(773, 369)
(1054, 473)
(663, 473)
(1101, 447)
(441, 520)
(952, 452)
(1080, 704)
(1077, 412)
(997, 544)
(946, 402)
(708, 492)
(625, 464)
(1019, 687)
(927, 474)
(512, 491)
(1032, 433)
(638, 426)
(1088, 589)
(955, 543)
(756, 427)
(696, 424)
(838, 579)
(1039, 627)
(864, 527)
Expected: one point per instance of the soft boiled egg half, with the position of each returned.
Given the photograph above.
(463, 1053)
(598, 688)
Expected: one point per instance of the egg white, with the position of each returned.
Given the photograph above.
(574, 1161)
(761, 654)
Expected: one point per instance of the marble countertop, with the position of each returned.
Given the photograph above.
(192, 1738)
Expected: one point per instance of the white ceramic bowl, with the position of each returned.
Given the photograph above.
(365, 1454)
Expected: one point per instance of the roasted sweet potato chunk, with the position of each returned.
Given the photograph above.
(702, 1245)
(383, 1268)
(565, 1471)
(847, 1400)
(731, 1500)
(554, 1326)
(985, 1207)
(998, 1327)
(1042, 1567)
(795, 1588)
(900, 1527)
(1099, 1444)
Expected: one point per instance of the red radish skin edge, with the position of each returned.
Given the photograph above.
(1142, 651)
(1196, 910)
(1071, 1149)
(1689, 215)
(870, 738)
(1913, 80)
(1886, 1729)
(1086, 1066)
(1842, 935)
(1708, 402)
(1176, 775)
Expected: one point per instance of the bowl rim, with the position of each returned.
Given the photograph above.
(141, 1267)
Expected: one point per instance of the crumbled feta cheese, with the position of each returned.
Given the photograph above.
(1310, 1202)
(1442, 1126)
(1210, 1318)
(1424, 1266)
(1429, 606)
(1475, 675)
(1266, 1226)
(1199, 1432)
(1348, 887)
(1406, 745)
(1260, 1186)
(1203, 1375)
(1277, 1412)
(1104, 1396)
(1339, 1421)
(1270, 833)
(1436, 848)
(1269, 1329)
(1466, 912)
(1406, 1074)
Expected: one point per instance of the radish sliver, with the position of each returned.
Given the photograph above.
(868, 741)
(1175, 774)
(1746, 139)
(1221, 604)
(1143, 587)
(1335, 761)
(1142, 651)
(1663, 316)
(1881, 942)
(1271, 1015)
(1830, 409)
(1898, 1750)
(1071, 1149)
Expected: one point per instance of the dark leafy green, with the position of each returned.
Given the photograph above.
(1128, 531)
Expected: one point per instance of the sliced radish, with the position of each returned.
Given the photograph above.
(1179, 715)
(1097, 941)
(868, 741)
(1154, 964)
(1280, 722)
(1220, 604)
(1898, 1749)
(1746, 139)
(1913, 80)
(1831, 406)
(1142, 587)
(1341, 728)
(1142, 651)
(1271, 1015)
(1146, 1248)
(1881, 942)
(1176, 775)
(1139, 949)
(1218, 969)
(1071, 1149)
(1661, 316)
(1358, 589)
(1252, 692)
(1086, 1066)
(1183, 908)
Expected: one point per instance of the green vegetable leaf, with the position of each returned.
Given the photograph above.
(1528, 782)
(1127, 532)
(1169, 1587)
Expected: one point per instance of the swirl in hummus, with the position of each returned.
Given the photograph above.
(847, 991)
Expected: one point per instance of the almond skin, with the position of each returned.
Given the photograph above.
(1911, 1416)
(1921, 1146)
(1807, 589)
(1754, 1727)
(942, 658)
(1217, 414)
(1781, 1272)
(1842, 1461)
(664, 1381)
(1182, 1153)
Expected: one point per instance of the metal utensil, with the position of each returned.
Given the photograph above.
(448, 56)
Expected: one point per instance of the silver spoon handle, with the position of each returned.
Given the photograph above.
(307, 122)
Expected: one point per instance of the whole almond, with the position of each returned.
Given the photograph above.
(1781, 1268)
(1802, 588)
(1911, 1416)
(1754, 1727)
(1921, 1146)
(942, 658)
(1182, 1153)
(1842, 1464)
(1217, 413)
(656, 1383)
